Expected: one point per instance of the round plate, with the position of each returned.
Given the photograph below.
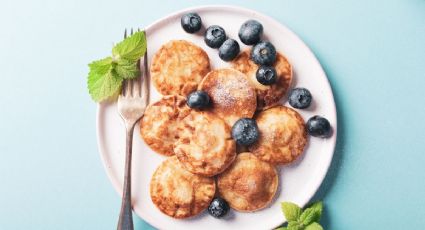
(298, 181)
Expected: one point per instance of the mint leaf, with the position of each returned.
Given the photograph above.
(106, 75)
(308, 217)
(282, 228)
(318, 207)
(292, 211)
(101, 66)
(311, 214)
(294, 225)
(131, 48)
(103, 82)
(127, 69)
(314, 226)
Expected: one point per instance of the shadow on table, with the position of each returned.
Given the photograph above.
(337, 160)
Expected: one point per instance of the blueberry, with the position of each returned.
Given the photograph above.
(198, 100)
(245, 131)
(229, 50)
(318, 126)
(266, 75)
(214, 36)
(191, 22)
(263, 53)
(218, 207)
(250, 32)
(300, 98)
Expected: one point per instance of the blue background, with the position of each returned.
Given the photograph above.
(373, 52)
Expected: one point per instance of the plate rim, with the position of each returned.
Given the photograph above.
(157, 23)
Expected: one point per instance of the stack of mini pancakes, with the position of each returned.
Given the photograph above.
(204, 160)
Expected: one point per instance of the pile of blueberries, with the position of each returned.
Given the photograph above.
(245, 131)
(263, 53)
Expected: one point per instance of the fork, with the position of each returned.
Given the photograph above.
(131, 105)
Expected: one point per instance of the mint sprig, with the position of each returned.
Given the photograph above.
(106, 75)
(302, 220)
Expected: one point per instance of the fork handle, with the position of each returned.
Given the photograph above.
(125, 221)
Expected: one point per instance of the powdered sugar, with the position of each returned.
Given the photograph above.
(231, 88)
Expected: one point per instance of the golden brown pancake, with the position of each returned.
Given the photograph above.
(159, 123)
(232, 96)
(282, 135)
(205, 146)
(267, 95)
(249, 184)
(178, 67)
(179, 193)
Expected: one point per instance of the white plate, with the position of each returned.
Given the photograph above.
(298, 182)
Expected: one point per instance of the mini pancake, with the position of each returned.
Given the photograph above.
(178, 67)
(283, 136)
(249, 184)
(267, 95)
(231, 93)
(177, 192)
(159, 123)
(205, 146)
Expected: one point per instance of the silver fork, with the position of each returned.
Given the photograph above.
(131, 106)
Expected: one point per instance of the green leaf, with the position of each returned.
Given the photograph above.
(294, 225)
(311, 214)
(318, 207)
(106, 75)
(282, 228)
(292, 211)
(101, 66)
(314, 226)
(127, 69)
(308, 216)
(131, 48)
(103, 82)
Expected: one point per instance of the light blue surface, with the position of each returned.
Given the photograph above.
(51, 176)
